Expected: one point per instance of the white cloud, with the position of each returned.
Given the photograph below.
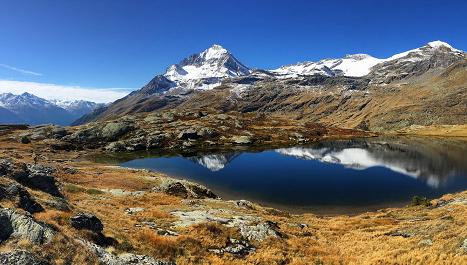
(23, 71)
(62, 92)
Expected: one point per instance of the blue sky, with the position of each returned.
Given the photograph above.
(123, 44)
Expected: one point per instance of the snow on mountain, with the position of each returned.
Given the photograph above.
(305, 68)
(214, 162)
(9, 100)
(30, 109)
(359, 64)
(350, 65)
(206, 69)
(424, 51)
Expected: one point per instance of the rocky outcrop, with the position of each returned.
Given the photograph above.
(235, 247)
(87, 221)
(34, 176)
(185, 189)
(39, 177)
(243, 139)
(21, 197)
(107, 258)
(260, 231)
(113, 130)
(46, 132)
(21, 257)
(13, 224)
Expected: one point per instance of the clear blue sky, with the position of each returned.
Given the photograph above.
(114, 43)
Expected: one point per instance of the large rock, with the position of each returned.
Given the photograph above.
(107, 258)
(13, 224)
(87, 221)
(39, 177)
(260, 231)
(118, 146)
(185, 189)
(156, 140)
(21, 197)
(46, 132)
(21, 257)
(244, 139)
(34, 176)
(235, 247)
(5, 167)
(114, 130)
(188, 134)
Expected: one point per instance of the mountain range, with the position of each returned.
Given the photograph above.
(30, 109)
(423, 86)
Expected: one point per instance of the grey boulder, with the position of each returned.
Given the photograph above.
(21, 257)
(13, 224)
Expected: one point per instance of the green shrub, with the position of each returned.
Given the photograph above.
(73, 188)
(94, 192)
(419, 200)
(25, 140)
(124, 246)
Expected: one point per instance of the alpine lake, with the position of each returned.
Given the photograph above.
(324, 178)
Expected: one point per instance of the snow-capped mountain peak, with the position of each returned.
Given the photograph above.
(361, 64)
(214, 52)
(424, 51)
(438, 44)
(31, 109)
(204, 70)
(8, 100)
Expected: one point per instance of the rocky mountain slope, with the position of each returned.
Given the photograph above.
(423, 86)
(30, 109)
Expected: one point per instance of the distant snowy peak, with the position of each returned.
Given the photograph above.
(30, 109)
(214, 62)
(8, 100)
(361, 64)
(75, 104)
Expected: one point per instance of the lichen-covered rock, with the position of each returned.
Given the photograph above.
(235, 247)
(107, 258)
(113, 130)
(156, 140)
(13, 224)
(5, 166)
(38, 177)
(21, 197)
(21, 257)
(34, 176)
(87, 221)
(260, 231)
(118, 146)
(58, 203)
(185, 189)
(244, 139)
(188, 134)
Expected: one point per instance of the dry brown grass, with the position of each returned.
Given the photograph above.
(158, 246)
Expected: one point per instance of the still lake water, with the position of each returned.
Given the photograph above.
(332, 177)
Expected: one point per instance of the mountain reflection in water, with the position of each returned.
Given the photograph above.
(344, 176)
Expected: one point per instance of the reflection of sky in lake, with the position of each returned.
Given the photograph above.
(364, 174)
